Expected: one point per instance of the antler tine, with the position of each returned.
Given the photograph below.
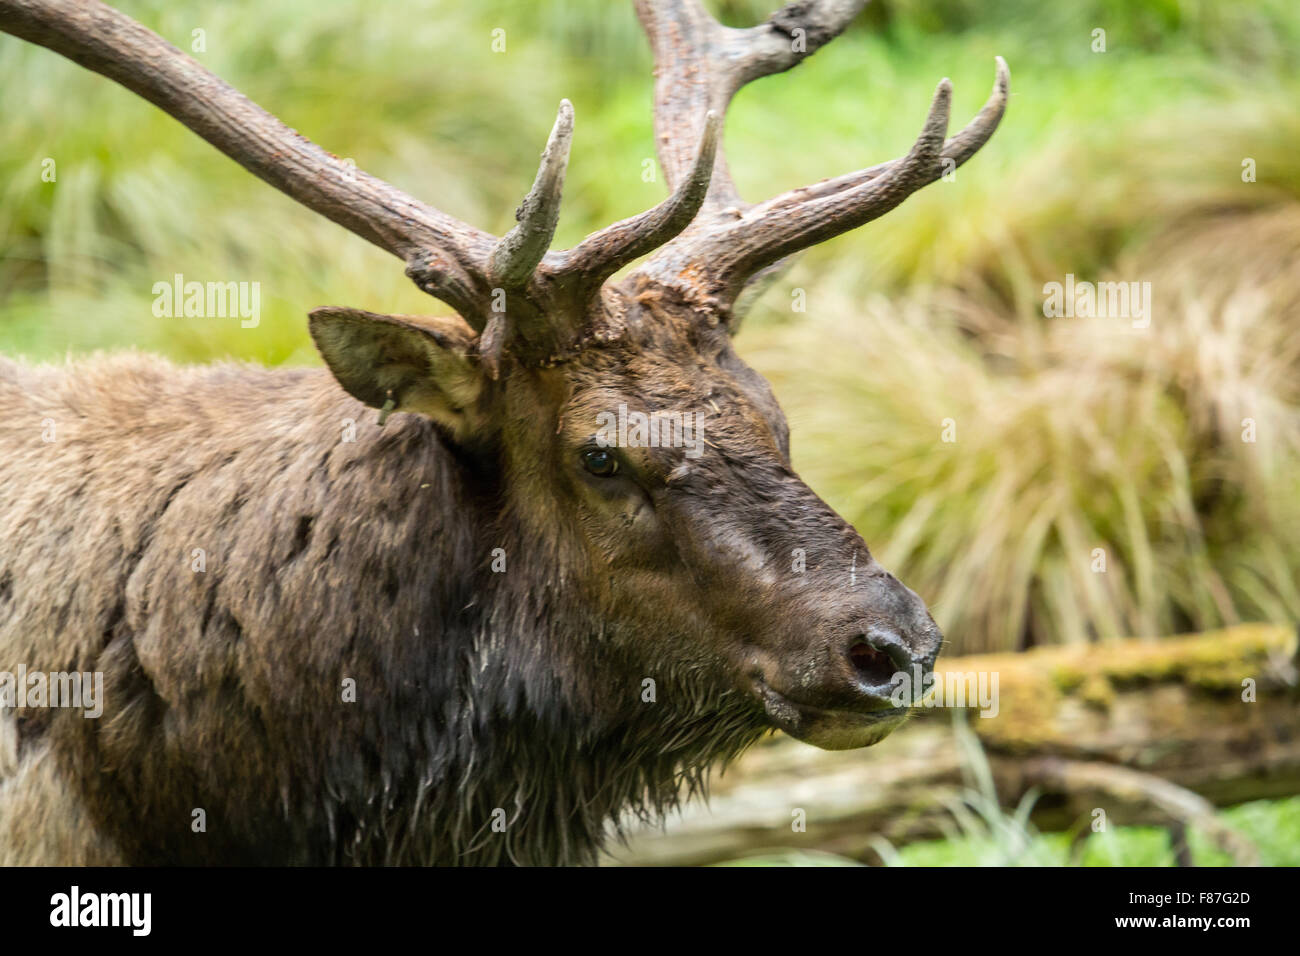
(516, 256)
(758, 241)
(603, 253)
(741, 250)
(574, 276)
(700, 64)
(443, 255)
(959, 148)
(977, 132)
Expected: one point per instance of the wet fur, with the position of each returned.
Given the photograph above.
(324, 560)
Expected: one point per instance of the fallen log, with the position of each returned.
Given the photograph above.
(1147, 731)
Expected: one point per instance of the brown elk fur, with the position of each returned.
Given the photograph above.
(371, 559)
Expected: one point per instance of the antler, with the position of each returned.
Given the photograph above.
(457, 263)
(711, 244)
(550, 311)
(699, 65)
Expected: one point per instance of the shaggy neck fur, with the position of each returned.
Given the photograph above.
(234, 573)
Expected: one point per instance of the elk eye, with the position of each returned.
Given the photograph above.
(600, 462)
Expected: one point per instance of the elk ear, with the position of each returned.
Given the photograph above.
(420, 364)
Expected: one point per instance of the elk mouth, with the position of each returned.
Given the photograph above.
(829, 729)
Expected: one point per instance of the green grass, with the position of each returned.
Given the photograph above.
(1272, 825)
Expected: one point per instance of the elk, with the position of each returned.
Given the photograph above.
(474, 634)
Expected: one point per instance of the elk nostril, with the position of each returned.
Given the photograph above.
(873, 665)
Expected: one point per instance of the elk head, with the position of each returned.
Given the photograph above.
(705, 548)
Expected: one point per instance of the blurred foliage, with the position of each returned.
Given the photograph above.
(981, 832)
(1272, 825)
(1071, 435)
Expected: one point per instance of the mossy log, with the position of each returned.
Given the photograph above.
(1149, 731)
